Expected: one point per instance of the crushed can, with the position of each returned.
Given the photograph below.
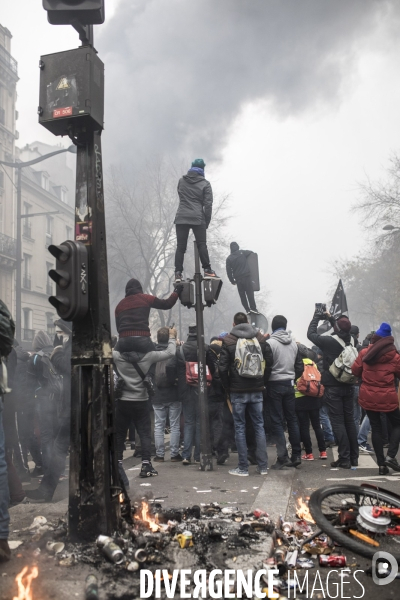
(113, 552)
(185, 539)
(91, 588)
(260, 513)
(334, 560)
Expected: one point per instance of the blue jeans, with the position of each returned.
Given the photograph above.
(191, 432)
(281, 399)
(161, 412)
(254, 402)
(326, 424)
(364, 431)
(357, 407)
(4, 492)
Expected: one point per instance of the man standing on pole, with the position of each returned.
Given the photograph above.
(239, 273)
(194, 213)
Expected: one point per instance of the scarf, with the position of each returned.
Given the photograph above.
(198, 170)
(378, 348)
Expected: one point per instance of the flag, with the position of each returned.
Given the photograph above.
(337, 309)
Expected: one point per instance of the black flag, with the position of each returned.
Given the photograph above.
(337, 309)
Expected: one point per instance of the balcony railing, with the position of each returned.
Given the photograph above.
(8, 60)
(8, 246)
(28, 335)
(26, 282)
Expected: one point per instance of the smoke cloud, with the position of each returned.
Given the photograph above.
(178, 72)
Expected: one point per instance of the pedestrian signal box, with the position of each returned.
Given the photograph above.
(211, 289)
(71, 98)
(72, 294)
(187, 296)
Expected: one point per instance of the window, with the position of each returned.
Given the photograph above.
(49, 231)
(68, 231)
(26, 281)
(49, 284)
(27, 332)
(51, 328)
(26, 222)
(45, 181)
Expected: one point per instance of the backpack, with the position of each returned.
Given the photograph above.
(192, 372)
(162, 376)
(7, 330)
(52, 382)
(249, 360)
(309, 384)
(341, 366)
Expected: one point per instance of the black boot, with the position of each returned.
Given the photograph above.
(384, 470)
(342, 464)
(392, 463)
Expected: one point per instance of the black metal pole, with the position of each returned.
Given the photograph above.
(18, 275)
(205, 444)
(94, 482)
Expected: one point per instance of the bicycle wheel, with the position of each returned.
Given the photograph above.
(336, 511)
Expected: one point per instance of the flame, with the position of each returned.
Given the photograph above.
(303, 512)
(144, 515)
(24, 587)
(121, 498)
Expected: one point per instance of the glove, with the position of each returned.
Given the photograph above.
(178, 289)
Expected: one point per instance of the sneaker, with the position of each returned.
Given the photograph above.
(222, 458)
(323, 456)
(384, 470)
(253, 312)
(238, 472)
(176, 458)
(147, 470)
(392, 463)
(261, 471)
(307, 457)
(158, 458)
(210, 273)
(354, 463)
(186, 461)
(365, 449)
(296, 461)
(343, 464)
(5, 551)
(178, 277)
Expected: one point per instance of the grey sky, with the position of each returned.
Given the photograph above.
(289, 103)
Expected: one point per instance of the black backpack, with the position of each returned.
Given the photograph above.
(7, 330)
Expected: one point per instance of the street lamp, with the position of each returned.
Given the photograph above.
(390, 228)
(19, 166)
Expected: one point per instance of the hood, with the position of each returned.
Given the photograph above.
(244, 330)
(234, 247)
(381, 350)
(282, 336)
(41, 341)
(132, 357)
(133, 287)
(193, 177)
(161, 346)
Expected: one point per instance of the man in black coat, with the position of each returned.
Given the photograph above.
(338, 396)
(238, 271)
(216, 400)
(194, 213)
(245, 392)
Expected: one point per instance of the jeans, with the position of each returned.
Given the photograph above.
(4, 492)
(357, 408)
(253, 402)
(282, 404)
(326, 424)
(246, 293)
(59, 455)
(377, 438)
(364, 431)
(304, 417)
(161, 411)
(139, 412)
(339, 401)
(191, 432)
(182, 234)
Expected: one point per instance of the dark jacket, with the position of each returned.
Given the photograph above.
(195, 200)
(132, 313)
(216, 392)
(190, 355)
(331, 349)
(378, 366)
(61, 359)
(236, 265)
(163, 395)
(230, 378)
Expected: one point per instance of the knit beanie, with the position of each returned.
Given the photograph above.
(279, 322)
(354, 330)
(234, 246)
(199, 163)
(384, 330)
(344, 324)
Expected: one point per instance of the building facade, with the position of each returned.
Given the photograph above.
(8, 135)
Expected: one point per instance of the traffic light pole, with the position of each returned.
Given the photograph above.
(206, 462)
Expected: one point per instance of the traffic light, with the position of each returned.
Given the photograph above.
(187, 296)
(65, 12)
(211, 289)
(72, 295)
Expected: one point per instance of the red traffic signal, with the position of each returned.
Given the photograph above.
(70, 275)
(65, 12)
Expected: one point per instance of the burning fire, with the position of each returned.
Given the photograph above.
(24, 581)
(145, 517)
(303, 512)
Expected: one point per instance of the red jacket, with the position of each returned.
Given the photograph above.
(377, 390)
